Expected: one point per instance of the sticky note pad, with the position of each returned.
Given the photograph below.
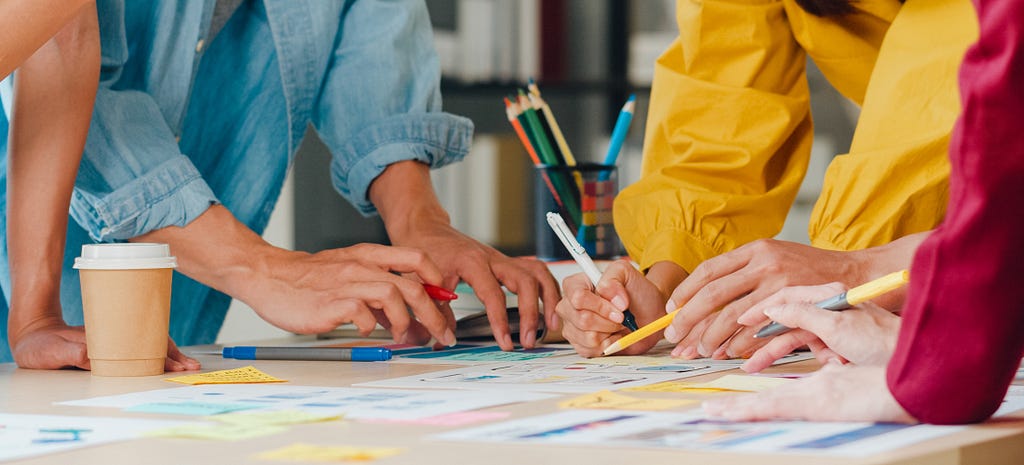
(242, 375)
(615, 401)
(314, 453)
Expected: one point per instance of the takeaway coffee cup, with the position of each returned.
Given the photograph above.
(126, 301)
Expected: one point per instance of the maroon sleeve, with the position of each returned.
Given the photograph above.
(963, 326)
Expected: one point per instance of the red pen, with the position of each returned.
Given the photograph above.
(439, 293)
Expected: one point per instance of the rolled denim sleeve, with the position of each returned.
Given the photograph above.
(133, 178)
(381, 100)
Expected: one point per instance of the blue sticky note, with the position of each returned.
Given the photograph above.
(189, 408)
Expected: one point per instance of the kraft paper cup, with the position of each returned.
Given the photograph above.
(126, 301)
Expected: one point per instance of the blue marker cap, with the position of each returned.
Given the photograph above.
(240, 353)
(371, 354)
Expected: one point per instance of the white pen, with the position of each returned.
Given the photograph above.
(580, 255)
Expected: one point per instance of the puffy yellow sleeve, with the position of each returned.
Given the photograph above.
(728, 135)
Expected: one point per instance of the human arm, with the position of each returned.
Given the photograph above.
(53, 100)
(309, 293)
(964, 283)
(737, 280)
(384, 128)
(414, 217)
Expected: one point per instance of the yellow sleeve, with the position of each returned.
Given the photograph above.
(728, 135)
(894, 180)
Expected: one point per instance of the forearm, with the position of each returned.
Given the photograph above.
(53, 100)
(405, 198)
(217, 250)
(666, 276)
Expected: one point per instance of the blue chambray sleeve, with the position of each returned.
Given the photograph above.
(381, 101)
(133, 178)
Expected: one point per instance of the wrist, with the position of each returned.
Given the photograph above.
(666, 276)
(405, 198)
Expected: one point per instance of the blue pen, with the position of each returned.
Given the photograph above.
(619, 134)
(354, 354)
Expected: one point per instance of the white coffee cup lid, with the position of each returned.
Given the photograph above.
(127, 256)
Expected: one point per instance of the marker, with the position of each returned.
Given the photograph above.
(848, 299)
(579, 254)
(439, 293)
(345, 354)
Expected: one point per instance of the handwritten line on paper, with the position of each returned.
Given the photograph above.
(616, 401)
(217, 432)
(189, 408)
(244, 375)
(314, 453)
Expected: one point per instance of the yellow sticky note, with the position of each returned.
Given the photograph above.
(314, 453)
(672, 386)
(273, 418)
(217, 432)
(616, 401)
(242, 375)
(743, 383)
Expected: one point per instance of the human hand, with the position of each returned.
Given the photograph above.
(313, 293)
(735, 281)
(865, 334)
(57, 345)
(834, 393)
(460, 257)
(592, 318)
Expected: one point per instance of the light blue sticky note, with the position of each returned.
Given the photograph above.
(189, 408)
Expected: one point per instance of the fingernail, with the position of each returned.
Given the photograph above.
(769, 312)
(676, 352)
(718, 353)
(670, 334)
(619, 302)
(835, 361)
(670, 306)
(530, 338)
(690, 353)
(616, 317)
(507, 339)
(449, 337)
(701, 350)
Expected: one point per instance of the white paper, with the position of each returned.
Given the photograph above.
(24, 436)
(694, 431)
(352, 402)
(549, 376)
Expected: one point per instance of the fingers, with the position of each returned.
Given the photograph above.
(613, 284)
(178, 361)
(399, 259)
(706, 273)
(479, 276)
(524, 286)
(778, 347)
(805, 316)
(792, 294)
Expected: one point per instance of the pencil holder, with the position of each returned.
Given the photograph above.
(583, 195)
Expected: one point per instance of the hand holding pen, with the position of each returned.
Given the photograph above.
(579, 254)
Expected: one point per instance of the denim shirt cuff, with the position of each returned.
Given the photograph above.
(436, 139)
(173, 194)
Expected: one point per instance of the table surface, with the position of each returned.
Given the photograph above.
(35, 391)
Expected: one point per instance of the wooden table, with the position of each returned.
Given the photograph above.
(35, 391)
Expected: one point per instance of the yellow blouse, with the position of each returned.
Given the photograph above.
(729, 127)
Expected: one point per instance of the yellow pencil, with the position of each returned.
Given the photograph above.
(646, 330)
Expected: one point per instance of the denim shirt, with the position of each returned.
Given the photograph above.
(363, 73)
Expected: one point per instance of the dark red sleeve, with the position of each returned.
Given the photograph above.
(963, 326)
